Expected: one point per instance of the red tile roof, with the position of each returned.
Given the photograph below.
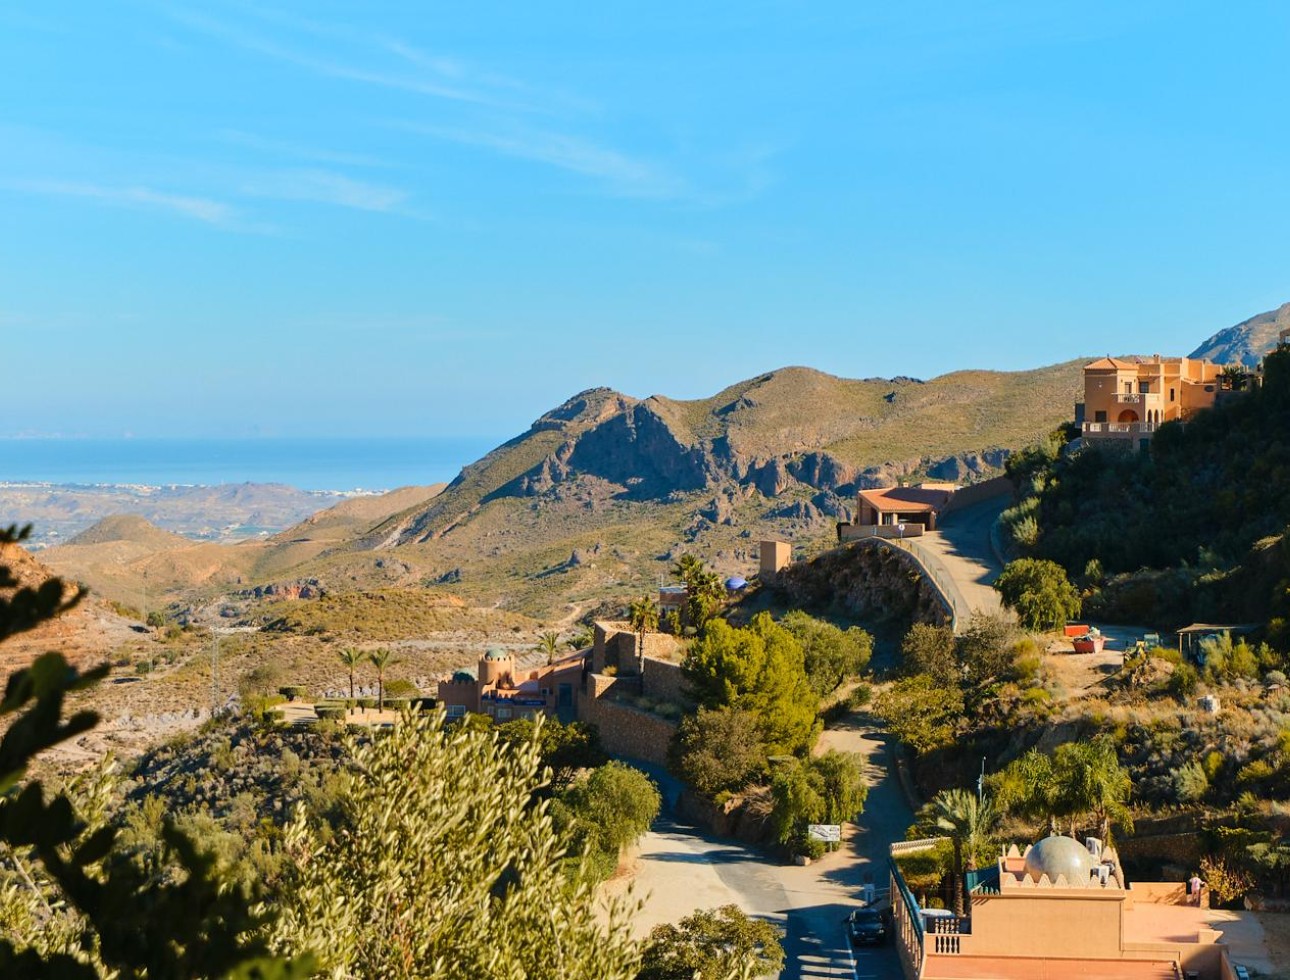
(906, 499)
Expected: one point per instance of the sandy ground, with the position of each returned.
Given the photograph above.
(1275, 927)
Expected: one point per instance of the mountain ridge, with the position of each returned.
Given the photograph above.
(791, 427)
(1249, 341)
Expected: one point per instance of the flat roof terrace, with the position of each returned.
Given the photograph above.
(1032, 968)
(1150, 923)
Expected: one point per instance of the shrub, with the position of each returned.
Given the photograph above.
(1036, 697)
(1039, 592)
(260, 680)
(400, 688)
(929, 650)
(397, 704)
(1213, 764)
(1255, 772)
(367, 703)
(808, 846)
(921, 713)
(985, 648)
(718, 749)
(1190, 784)
(293, 693)
(1183, 681)
(722, 942)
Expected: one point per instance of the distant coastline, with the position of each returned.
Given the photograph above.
(312, 464)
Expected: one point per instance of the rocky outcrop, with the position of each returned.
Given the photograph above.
(745, 817)
(1248, 342)
(637, 449)
(301, 589)
(969, 467)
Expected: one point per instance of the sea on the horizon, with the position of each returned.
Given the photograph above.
(308, 464)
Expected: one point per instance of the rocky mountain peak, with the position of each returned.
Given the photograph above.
(1249, 341)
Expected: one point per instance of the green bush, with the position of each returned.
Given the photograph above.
(330, 711)
(1190, 783)
(367, 703)
(808, 846)
(294, 692)
(1183, 681)
(400, 688)
(1039, 592)
(398, 704)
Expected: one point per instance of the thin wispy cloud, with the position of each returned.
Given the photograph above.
(325, 187)
(621, 173)
(331, 67)
(204, 209)
(486, 86)
(299, 151)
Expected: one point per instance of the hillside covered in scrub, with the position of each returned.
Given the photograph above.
(1196, 529)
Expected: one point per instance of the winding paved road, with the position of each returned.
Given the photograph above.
(680, 869)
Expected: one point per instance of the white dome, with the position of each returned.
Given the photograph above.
(1058, 855)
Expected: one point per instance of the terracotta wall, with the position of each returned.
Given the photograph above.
(1024, 926)
(978, 492)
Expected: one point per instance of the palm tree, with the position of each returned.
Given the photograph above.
(1032, 787)
(687, 567)
(549, 643)
(643, 615)
(351, 658)
(1095, 783)
(968, 821)
(380, 659)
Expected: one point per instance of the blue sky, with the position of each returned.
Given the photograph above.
(227, 218)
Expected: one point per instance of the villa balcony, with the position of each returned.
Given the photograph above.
(1121, 429)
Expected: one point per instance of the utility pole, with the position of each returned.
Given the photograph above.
(214, 673)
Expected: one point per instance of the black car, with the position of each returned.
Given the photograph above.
(868, 926)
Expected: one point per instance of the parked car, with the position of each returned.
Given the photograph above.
(868, 926)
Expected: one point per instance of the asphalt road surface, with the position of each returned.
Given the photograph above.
(681, 869)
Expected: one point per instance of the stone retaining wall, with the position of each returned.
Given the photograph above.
(866, 580)
(624, 730)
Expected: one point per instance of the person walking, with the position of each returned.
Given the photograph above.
(1194, 886)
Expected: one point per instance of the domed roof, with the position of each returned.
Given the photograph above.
(736, 582)
(496, 653)
(1058, 855)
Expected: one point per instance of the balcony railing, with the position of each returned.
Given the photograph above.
(1128, 399)
(1097, 428)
